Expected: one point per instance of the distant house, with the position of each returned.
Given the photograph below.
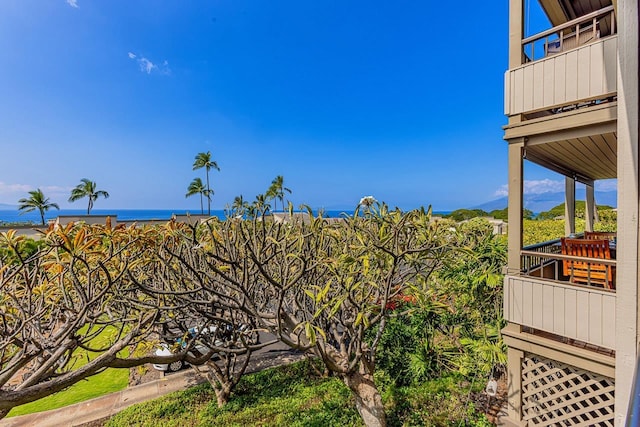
(499, 226)
(296, 217)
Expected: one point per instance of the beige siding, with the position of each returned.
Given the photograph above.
(587, 72)
(574, 312)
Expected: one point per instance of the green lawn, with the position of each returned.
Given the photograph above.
(287, 396)
(105, 382)
(294, 396)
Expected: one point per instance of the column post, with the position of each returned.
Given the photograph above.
(627, 268)
(515, 205)
(589, 208)
(569, 206)
(514, 391)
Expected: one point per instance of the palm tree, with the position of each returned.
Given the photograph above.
(87, 188)
(203, 160)
(277, 190)
(261, 204)
(239, 206)
(36, 201)
(197, 187)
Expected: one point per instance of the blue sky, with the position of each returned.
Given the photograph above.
(403, 101)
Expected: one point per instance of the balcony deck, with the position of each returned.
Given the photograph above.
(565, 71)
(542, 298)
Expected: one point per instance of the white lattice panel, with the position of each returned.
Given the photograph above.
(556, 394)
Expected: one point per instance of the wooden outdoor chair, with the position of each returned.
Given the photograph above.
(599, 235)
(589, 273)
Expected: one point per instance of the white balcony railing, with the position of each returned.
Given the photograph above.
(581, 313)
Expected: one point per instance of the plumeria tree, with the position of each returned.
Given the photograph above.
(72, 297)
(321, 287)
(185, 281)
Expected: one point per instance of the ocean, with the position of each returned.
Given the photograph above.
(13, 216)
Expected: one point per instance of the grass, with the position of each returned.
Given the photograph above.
(103, 383)
(294, 396)
(108, 381)
(291, 396)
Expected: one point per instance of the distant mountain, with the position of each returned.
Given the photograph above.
(545, 201)
(5, 206)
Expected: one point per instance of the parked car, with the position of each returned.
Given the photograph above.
(223, 338)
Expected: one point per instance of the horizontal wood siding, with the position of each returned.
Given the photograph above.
(584, 73)
(570, 311)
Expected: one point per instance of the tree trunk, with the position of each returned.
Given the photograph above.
(208, 195)
(368, 399)
(222, 394)
(222, 388)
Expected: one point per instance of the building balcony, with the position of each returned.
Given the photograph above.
(568, 67)
(547, 298)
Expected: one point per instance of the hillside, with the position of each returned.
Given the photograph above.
(546, 201)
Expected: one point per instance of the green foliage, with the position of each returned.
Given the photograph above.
(16, 223)
(444, 401)
(204, 160)
(449, 276)
(464, 214)
(290, 395)
(276, 191)
(108, 381)
(503, 214)
(608, 220)
(406, 351)
(87, 188)
(543, 230)
(455, 322)
(558, 210)
(36, 200)
(197, 187)
(295, 395)
(15, 249)
(538, 231)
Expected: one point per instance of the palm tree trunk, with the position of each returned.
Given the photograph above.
(42, 215)
(208, 195)
(201, 205)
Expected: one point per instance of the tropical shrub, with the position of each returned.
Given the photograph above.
(465, 214)
(454, 322)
